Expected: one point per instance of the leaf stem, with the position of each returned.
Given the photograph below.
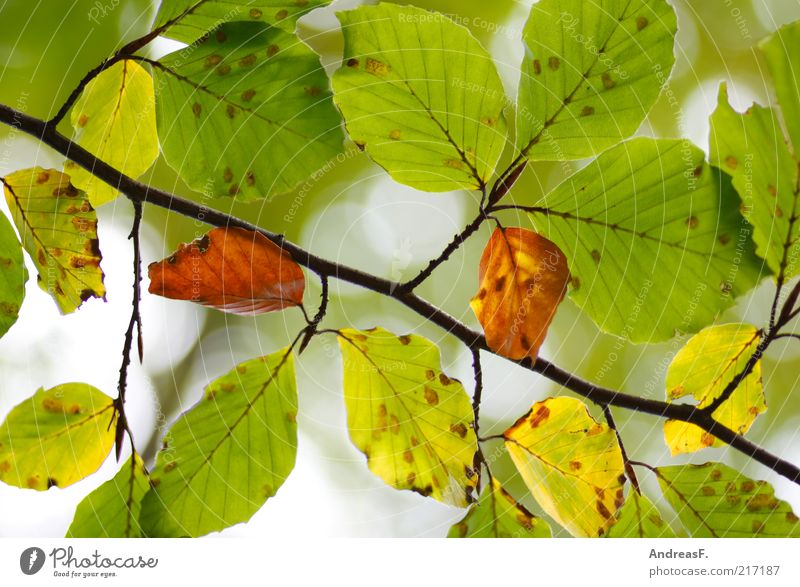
(626, 461)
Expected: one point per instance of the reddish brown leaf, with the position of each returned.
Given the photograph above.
(523, 278)
(233, 270)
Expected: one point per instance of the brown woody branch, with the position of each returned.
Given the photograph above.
(139, 192)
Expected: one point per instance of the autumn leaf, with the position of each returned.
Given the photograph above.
(115, 120)
(523, 278)
(498, 515)
(571, 463)
(413, 422)
(714, 501)
(640, 518)
(233, 270)
(58, 227)
(703, 369)
(56, 437)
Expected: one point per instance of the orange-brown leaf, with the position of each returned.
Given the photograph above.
(233, 270)
(523, 278)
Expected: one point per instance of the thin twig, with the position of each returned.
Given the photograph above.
(451, 248)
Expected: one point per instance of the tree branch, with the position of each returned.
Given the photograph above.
(139, 192)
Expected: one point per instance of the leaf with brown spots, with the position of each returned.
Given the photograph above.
(571, 463)
(523, 278)
(115, 120)
(703, 368)
(58, 227)
(590, 74)
(640, 518)
(713, 500)
(112, 510)
(412, 421)
(233, 270)
(422, 96)
(248, 113)
(190, 20)
(498, 515)
(654, 239)
(228, 453)
(57, 437)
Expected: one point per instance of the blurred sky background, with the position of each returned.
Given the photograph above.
(357, 215)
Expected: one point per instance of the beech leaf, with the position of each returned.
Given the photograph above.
(714, 501)
(639, 518)
(115, 120)
(233, 270)
(571, 463)
(13, 276)
(58, 227)
(523, 278)
(703, 369)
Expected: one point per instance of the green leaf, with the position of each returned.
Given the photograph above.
(115, 120)
(639, 518)
(653, 238)
(752, 149)
(59, 230)
(703, 369)
(57, 437)
(713, 500)
(412, 421)
(228, 454)
(422, 96)
(112, 510)
(194, 18)
(591, 73)
(246, 113)
(13, 276)
(571, 463)
(781, 50)
(498, 515)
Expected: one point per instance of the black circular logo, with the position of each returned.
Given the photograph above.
(31, 560)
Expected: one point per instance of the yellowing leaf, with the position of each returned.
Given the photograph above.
(639, 518)
(233, 270)
(115, 120)
(713, 500)
(703, 368)
(112, 510)
(523, 278)
(58, 227)
(412, 421)
(498, 515)
(57, 437)
(571, 463)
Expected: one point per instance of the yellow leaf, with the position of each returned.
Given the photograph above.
(115, 120)
(523, 278)
(571, 463)
(702, 369)
(498, 515)
(58, 227)
(412, 421)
